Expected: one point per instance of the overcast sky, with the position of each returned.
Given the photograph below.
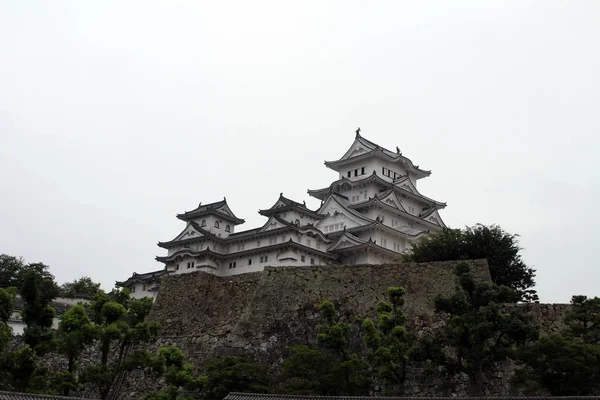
(115, 116)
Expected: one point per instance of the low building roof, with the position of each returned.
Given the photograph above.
(148, 276)
(34, 396)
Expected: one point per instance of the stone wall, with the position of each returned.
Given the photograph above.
(262, 314)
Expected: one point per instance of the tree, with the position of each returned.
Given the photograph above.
(232, 374)
(342, 371)
(118, 325)
(499, 247)
(7, 306)
(83, 286)
(19, 371)
(560, 365)
(10, 271)
(583, 320)
(309, 371)
(389, 340)
(481, 330)
(75, 332)
(37, 291)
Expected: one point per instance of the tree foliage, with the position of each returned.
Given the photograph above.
(389, 341)
(337, 370)
(38, 290)
(75, 333)
(560, 365)
(583, 320)
(481, 331)
(499, 247)
(119, 321)
(7, 306)
(566, 364)
(83, 286)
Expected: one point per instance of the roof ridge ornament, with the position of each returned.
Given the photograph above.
(398, 150)
(358, 132)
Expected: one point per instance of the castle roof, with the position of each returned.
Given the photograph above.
(147, 277)
(219, 208)
(402, 186)
(284, 204)
(208, 252)
(364, 149)
(349, 242)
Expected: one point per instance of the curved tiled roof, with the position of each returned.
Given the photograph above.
(211, 209)
(289, 204)
(34, 396)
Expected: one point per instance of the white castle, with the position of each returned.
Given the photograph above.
(370, 215)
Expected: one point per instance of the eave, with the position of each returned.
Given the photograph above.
(375, 202)
(418, 172)
(190, 215)
(208, 252)
(291, 207)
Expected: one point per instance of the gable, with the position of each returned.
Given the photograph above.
(272, 223)
(356, 149)
(345, 241)
(393, 201)
(188, 233)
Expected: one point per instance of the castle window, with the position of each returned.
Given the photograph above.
(216, 224)
(266, 258)
(144, 287)
(283, 238)
(261, 259)
(318, 245)
(133, 289)
(177, 268)
(356, 172)
(312, 261)
(203, 224)
(302, 258)
(308, 242)
(258, 243)
(249, 261)
(383, 169)
(411, 209)
(349, 174)
(227, 228)
(362, 171)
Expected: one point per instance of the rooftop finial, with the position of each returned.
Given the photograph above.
(358, 132)
(398, 150)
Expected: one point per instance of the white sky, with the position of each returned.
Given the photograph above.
(115, 116)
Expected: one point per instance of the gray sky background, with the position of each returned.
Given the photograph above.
(115, 116)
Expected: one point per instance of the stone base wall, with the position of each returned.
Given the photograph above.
(264, 313)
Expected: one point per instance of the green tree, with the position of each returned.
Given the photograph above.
(341, 370)
(481, 330)
(75, 333)
(37, 291)
(389, 341)
(10, 271)
(20, 371)
(220, 376)
(83, 286)
(499, 247)
(583, 320)
(121, 326)
(561, 365)
(232, 374)
(310, 371)
(7, 306)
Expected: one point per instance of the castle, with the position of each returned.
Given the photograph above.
(370, 215)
